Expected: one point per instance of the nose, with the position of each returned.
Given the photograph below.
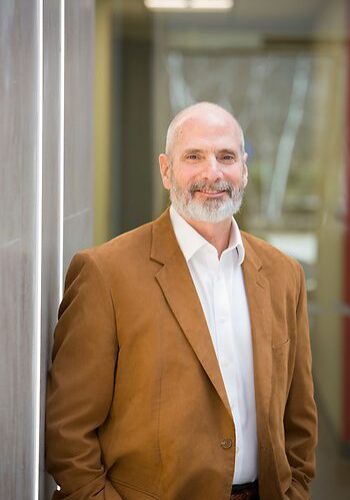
(212, 169)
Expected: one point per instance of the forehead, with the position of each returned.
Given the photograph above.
(207, 132)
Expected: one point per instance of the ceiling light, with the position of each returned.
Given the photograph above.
(188, 5)
(166, 4)
(211, 4)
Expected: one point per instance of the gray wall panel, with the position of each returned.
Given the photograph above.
(15, 448)
(30, 257)
(19, 172)
(77, 232)
(79, 99)
(51, 257)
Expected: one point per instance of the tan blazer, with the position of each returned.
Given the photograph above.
(136, 405)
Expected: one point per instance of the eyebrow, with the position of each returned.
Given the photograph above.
(188, 151)
(230, 151)
(194, 150)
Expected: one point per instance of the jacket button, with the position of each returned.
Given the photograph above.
(226, 443)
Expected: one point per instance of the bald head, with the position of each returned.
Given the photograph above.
(195, 113)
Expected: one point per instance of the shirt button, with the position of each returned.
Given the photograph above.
(226, 443)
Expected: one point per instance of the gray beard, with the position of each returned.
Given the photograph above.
(211, 210)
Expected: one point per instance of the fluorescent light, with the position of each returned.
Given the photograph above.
(166, 4)
(188, 5)
(211, 4)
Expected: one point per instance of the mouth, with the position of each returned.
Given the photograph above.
(211, 194)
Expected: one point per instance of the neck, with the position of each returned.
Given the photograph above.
(218, 234)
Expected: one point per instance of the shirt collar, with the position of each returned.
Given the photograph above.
(190, 241)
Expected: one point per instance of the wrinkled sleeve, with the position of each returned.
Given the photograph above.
(80, 384)
(300, 419)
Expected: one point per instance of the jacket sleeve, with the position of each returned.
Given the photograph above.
(80, 384)
(300, 419)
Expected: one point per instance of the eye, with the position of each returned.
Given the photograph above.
(192, 156)
(227, 158)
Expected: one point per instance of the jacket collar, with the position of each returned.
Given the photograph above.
(190, 241)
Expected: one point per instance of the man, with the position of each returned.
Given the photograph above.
(181, 363)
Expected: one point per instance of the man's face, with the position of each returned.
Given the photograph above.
(206, 172)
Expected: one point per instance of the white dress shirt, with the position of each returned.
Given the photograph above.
(220, 287)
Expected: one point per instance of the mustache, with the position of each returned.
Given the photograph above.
(212, 188)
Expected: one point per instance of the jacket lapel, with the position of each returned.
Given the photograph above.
(178, 288)
(259, 301)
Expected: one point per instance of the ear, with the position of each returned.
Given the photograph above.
(164, 165)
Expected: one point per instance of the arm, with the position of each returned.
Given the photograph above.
(80, 384)
(300, 419)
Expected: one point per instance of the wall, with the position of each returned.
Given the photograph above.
(46, 80)
(103, 119)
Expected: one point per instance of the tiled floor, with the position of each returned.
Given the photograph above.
(333, 470)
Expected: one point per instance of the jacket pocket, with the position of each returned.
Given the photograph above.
(131, 492)
(281, 345)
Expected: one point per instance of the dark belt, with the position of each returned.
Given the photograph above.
(247, 491)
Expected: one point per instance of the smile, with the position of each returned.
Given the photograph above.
(212, 194)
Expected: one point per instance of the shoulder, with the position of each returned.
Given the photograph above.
(118, 254)
(273, 260)
(132, 242)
